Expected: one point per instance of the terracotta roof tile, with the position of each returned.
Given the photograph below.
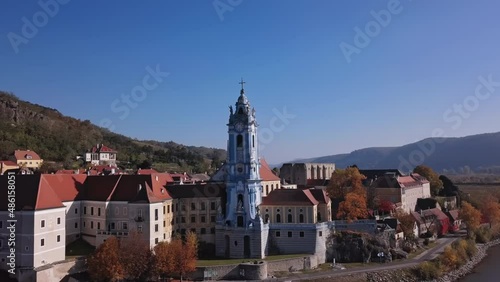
(292, 197)
(266, 174)
(35, 195)
(68, 187)
(8, 163)
(146, 171)
(22, 155)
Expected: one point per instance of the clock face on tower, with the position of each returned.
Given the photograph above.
(239, 127)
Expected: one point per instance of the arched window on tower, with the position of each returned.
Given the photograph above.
(239, 141)
(240, 111)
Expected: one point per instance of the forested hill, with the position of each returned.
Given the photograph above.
(474, 153)
(60, 138)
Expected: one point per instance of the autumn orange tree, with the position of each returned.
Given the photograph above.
(135, 257)
(491, 210)
(103, 264)
(164, 259)
(406, 221)
(353, 207)
(344, 181)
(470, 216)
(346, 185)
(187, 253)
(435, 183)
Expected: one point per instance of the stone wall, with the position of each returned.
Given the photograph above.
(254, 271)
(59, 270)
(291, 265)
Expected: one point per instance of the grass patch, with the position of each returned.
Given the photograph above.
(79, 248)
(212, 262)
(421, 250)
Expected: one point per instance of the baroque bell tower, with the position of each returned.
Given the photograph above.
(241, 232)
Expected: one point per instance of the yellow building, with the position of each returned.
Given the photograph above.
(291, 206)
(28, 159)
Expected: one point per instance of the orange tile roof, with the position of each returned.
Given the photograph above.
(102, 149)
(35, 194)
(8, 163)
(146, 171)
(68, 187)
(21, 155)
(266, 174)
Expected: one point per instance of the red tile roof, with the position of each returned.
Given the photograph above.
(146, 171)
(266, 174)
(22, 155)
(102, 149)
(290, 197)
(8, 163)
(35, 194)
(68, 187)
(320, 195)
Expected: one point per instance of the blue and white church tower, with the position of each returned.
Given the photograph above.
(240, 232)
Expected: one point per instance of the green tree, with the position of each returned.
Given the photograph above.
(427, 172)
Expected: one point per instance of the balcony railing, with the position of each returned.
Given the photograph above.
(112, 233)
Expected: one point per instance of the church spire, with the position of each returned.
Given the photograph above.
(242, 86)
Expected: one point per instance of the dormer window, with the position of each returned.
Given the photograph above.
(28, 157)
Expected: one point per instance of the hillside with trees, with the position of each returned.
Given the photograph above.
(60, 138)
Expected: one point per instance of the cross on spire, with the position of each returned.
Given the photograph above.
(242, 83)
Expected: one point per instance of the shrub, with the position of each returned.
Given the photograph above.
(428, 270)
(471, 248)
(483, 235)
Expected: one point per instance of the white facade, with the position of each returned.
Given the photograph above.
(40, 237)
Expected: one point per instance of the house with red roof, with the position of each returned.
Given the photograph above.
(101, 155)
(298, 219)
(28, 159)
(7, 165)
(431, 221)
(401, 190)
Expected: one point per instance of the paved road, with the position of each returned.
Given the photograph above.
(426, 255)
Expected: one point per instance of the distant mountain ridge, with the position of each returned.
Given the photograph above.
(478, 153)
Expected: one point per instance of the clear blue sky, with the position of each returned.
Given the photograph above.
(394, 91)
